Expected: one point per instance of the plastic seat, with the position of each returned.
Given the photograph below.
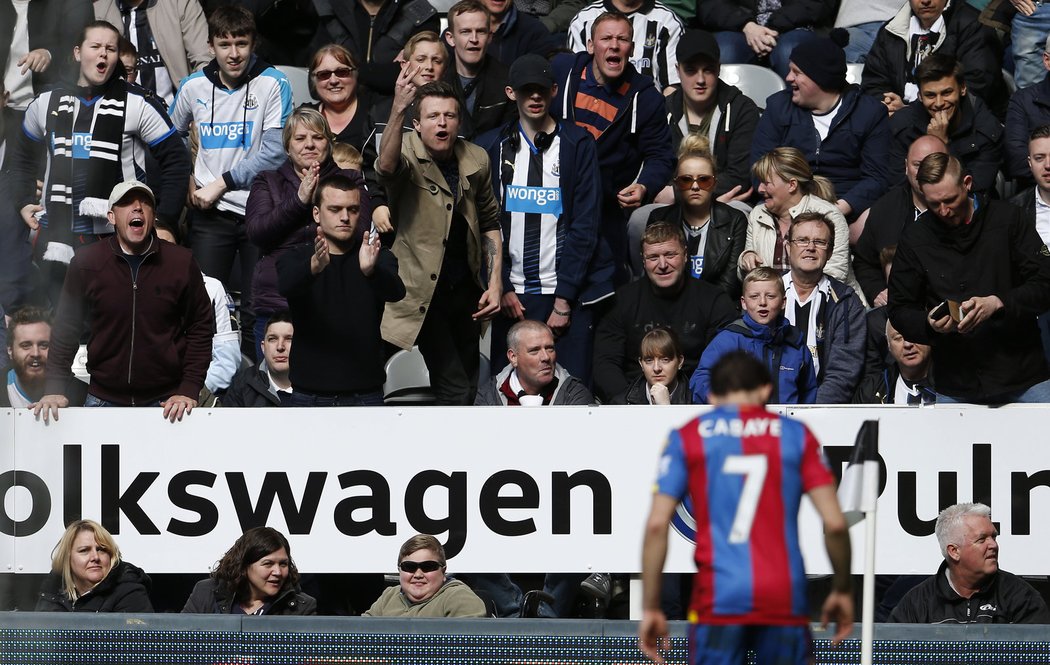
(756, 82)
(407, 379)
(299, 78)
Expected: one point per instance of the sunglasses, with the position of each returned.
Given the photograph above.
(325, 74)
(685, 182)
(411, 567)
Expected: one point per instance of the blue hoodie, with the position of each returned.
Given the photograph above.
(779, 346)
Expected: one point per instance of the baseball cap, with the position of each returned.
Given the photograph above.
(530, 69)
(122, 189)
(698, 44)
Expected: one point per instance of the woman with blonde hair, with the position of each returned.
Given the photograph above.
(87, 575)
(788, 188)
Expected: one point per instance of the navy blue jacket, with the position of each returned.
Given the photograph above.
(841, 346)
(854, 156)
(583, 274)
(638, 137)
(780, 347)
(1029, 108)
(519, 34)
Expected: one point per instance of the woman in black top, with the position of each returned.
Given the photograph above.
(344, 104)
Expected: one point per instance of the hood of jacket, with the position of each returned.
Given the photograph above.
(780, 331)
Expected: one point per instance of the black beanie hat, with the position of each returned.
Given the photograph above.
(823, 60)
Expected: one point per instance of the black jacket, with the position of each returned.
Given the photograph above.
(975, 138)
(886, 219)
(972, 43)
(637, 391)
(125, 589)
(997, 253)
(492, 108)
(696, 313)
(519, 34)
(207, 598)
(1025, 200)
(732, 15)
(1028, 109)
(250, 387)
(734, 121)
(725, 243)
(1006, 599)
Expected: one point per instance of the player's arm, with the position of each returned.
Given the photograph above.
(839, 604)
(653, 627)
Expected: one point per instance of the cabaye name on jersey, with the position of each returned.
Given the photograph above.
(737, 428)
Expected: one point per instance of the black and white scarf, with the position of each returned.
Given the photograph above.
(105, 125)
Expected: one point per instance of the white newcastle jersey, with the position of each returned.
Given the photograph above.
(657, 30)
(230, 123)
(532, 203)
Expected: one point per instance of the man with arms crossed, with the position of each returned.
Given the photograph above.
(750, 589)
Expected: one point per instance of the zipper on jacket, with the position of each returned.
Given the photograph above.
(134, 311)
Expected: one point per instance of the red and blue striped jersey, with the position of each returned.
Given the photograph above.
(745, 470)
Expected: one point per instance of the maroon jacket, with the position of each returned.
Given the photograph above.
(150, 337)
(277, 221)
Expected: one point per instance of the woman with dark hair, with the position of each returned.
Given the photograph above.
(343, 103)
(279, 212)
(87, 575)
(662, 380)
(256, 576)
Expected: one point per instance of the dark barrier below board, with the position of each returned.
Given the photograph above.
(164, 638)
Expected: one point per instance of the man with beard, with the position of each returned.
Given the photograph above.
(28, 339)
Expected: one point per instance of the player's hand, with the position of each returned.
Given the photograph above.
(369, 253)
(511, 306)
(735, 195)
(29, 216)
(976, 311)
(750, 261)
(488, 304)
(205, 197)
(177, 405)
(49, 406)
(404, 88)
(36, 60)
(381, 219)
(631, 196)
(883, 298)
(653, 636)
(838, 608)
(319, 261)
(1026, 7)
(944, 325)
(759, 38)
(938, 126)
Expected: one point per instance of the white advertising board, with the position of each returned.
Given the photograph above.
(507, 490)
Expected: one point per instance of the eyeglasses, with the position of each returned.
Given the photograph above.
(806, 242)
(342, 73)
(411, 567)
(685, 182)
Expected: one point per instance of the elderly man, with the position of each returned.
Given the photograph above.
(828, 313)
(898, 207)
(907, 380)
(447, 222)
(843, 133)
(28, 339)
(984, 263)
(533, 377)
(150, 320)
(268, 383)
(969, 586)
(665, 296)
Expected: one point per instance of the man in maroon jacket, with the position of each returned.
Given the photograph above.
(150, 319)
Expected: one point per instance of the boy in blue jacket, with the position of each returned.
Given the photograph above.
(764, 333)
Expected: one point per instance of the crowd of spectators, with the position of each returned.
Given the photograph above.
(575, 175)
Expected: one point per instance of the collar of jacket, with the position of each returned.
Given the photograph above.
(468, 164)
(898, 27)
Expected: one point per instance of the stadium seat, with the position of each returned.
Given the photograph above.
(756, 82)
(407, 379)
(299, 78)
(854, 71)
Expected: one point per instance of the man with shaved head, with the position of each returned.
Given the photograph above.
(888, 216)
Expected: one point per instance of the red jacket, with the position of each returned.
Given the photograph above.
(149, 338)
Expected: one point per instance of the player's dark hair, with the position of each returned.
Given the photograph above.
(283, 316)
(738, 371)
(26, 316)
(334, 181)
(1041, 132)
(231, 21)
(938, 66)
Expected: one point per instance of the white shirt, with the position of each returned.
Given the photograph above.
(19, 86)
(1042, 217)
(911, 90)
(822, 121)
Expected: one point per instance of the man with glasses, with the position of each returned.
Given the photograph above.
(827, 312)
(664, 297)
